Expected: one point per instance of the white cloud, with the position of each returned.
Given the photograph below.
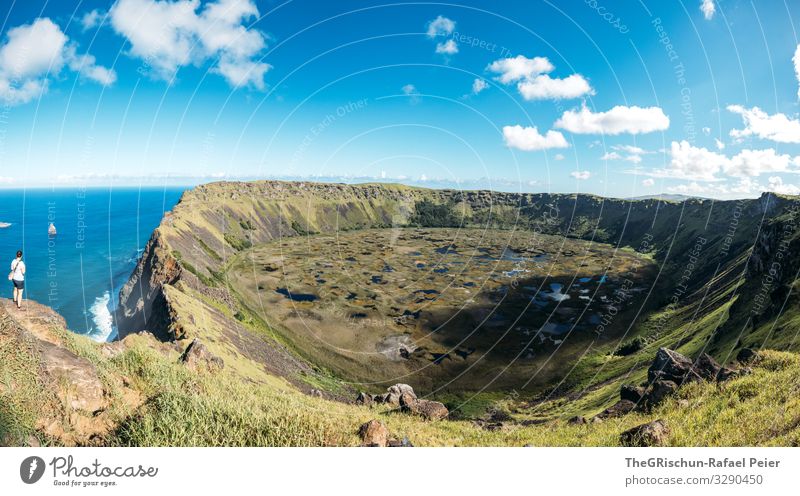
(520, 67)
(546, 88)
(611, 156)
(33, 53)
(636, 159)
(708, 9)
(409, 89)
(479, 85)
(92, 19)
(757, 162)
(559, 156)
(796, 60)
(777, 127)
(649, 182)
(441, 26)
(700, 164)
(171, 35)
(534, 83)
(449, 47)
(529, 139)
(777, 185)
(581, 175)
(618, 120)
(707, 131)
(633, 150)
(720, 144)
(690, 162)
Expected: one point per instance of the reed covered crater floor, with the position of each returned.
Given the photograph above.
(446, 309)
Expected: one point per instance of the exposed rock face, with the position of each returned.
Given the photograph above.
(374, 434)
(73, 397)
(197, 357)
(74, 378)
(672, 366)
(653, 433)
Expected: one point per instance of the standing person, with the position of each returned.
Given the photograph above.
(17, 276)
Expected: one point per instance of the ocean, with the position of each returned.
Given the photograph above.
(101, 233)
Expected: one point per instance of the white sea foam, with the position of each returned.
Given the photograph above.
(100, 311)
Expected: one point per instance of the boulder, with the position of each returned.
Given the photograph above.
(620, 408)
(430, 410)
(393, 393)
(364, 399)
(672, 366)
(706, 367)
(74, 377)
(197, 357)
(653, 433)
(658, 392)
(374, 434)
(746, 355)
(631, 393)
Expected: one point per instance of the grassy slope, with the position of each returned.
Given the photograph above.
(186, 408)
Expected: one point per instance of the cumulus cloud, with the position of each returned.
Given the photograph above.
(720, 144)
(649, 182)
(700, 164)
(581, 175)
(441, 26)
(533, 80)
(777, 185)
(449, 47)
(33, 53)
(777, 127)
(618, 120)
(529, 139)
(171, 35)
(546, 88)
(708, 8)
(757, 162)
(479, 85)
(559, 156)
(520, 67)
(690, 162)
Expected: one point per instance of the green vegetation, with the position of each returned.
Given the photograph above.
(430, 214)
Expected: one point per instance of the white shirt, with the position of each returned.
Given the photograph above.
(18, 268)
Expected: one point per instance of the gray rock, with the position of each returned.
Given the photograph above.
(653, 433)
(197, 357)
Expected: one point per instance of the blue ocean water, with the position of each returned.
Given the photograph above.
(101, 232)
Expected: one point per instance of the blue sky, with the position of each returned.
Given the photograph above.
(607, 97)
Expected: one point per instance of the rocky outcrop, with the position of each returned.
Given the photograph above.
(427, 409)
(374, 434)
(666, 374)
(197, 357)
(655, 433)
